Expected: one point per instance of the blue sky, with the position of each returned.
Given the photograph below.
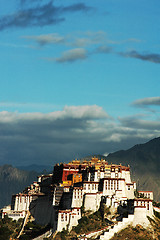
(77, 78)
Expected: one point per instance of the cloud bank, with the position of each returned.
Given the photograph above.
(43, 14)
(92, 43)
(89, 43)
(75, 131)
(151, 57)
(151, 101)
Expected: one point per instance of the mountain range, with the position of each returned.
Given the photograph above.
(12, 181)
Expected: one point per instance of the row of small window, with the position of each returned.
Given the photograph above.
(143, 204)
(90, 186)
(24, 199)
(112, 185)
(106, 174)
(65, 216)
(15, 215)
(78, 193)
(78, 196)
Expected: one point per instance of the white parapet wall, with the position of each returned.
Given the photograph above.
(15, 215)
(146, 194)
(92, 201)
(77, 197)
(117, 227)
(140, 216)
(68, 218)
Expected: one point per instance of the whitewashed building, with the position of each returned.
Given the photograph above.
(59, 197)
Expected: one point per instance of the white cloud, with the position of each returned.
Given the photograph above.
(75, 112)
(44, 39)
(72, 55)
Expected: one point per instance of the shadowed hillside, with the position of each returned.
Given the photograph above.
(13, 180)
(144, 160)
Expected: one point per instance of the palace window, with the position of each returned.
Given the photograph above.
(111, 184)
(117, 185)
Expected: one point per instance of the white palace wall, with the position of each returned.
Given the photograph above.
(68, 218)
(21, 202)
(92, 201)
(77, 197)
(140, 217)
(90, 187)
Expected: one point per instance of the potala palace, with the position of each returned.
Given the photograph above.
(58, 198)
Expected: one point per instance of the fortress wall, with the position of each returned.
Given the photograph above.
(129, 191)
(73, 221)
(63, 220)
(68, 218)
(43, 211)
(92, 201)
(140, 216)
(77, 197)
(127, 176)
(77, 202)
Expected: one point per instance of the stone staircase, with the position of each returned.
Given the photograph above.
(58, 194)
(24, 223)
(117, 227)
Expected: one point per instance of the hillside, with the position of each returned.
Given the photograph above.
(13, 180)
(144, 160)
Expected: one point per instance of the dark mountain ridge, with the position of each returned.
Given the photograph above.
(142, 156)
(144, 160)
